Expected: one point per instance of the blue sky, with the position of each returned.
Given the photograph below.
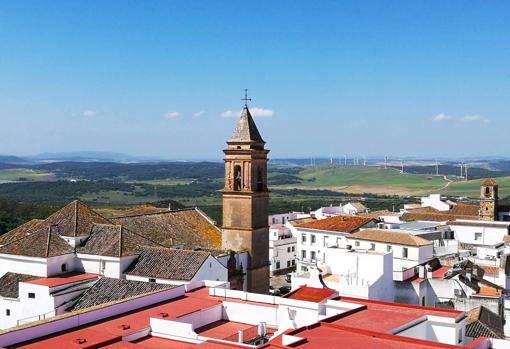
(160, 78)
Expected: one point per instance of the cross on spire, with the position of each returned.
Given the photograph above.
(246, 99)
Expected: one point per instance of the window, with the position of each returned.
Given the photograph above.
(31, 295)
(288, 264)
(274, 220)
(478, 236)
(63, 268)
(288, 249)
(152, 280)
(312, 255)
(356, 243)
(237, 178)
(487, 192)
(312, 238)
(325, 241)
(303, 238)
(260, 180)
(277, 264)
(404, 252)
(293, 248)
(303, 254)
(7, 312)
(388, 248)
(293, 262)
(372, 246)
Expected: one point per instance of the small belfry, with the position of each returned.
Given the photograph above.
(488, 200)
(246, 199)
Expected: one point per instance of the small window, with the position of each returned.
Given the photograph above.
(293, 262)
(7, 312)
(293, 248)
(478, 236)
(63, 268)
(325, 241)
(356, 243)
(404, 252)
(388, 248)
(288, 249)
(303, 238)
(31, 295)
(152, 280)
(313, 239)
(278, 265)
(288, 264)
(210, 265)
(372, 246)
(303, 254)
(312, 255)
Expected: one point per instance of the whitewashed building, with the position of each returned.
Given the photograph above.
(488, 233)
(282, 249)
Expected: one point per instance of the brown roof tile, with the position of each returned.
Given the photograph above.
(190, 227)
(44, 241)
(344, 224)
(113, 241)
(390, 237)
(488, 182)
(9, 284)
(19, 232)
(434, 217)
(75, 219)
(168, 263)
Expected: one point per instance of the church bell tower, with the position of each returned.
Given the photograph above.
(246, 200)
(488, 200)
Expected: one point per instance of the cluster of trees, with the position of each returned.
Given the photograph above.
(13, 214)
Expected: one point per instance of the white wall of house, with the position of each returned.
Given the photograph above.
(350, 209)
(481, 235)
(434, 201)
(23, 265)
(404, 257)
(107, 266)
(75, 241)
(56, 264)
(282, 249)
(283, 218)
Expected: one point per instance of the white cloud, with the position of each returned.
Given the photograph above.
(441, 117)
(172, 115)
(89, 113)
(255, 112)
(474, 118)
(199, 114)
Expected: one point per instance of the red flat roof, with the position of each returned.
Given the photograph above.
(63, 279)
(310, 294)
(333, 336)
(439, 273)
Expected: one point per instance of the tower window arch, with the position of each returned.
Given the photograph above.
(237, 178)
(487, 192)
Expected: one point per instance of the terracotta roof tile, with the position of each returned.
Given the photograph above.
(114, 241)
(190, 227)
(344, 224)
(168, 263)
(390, 237)
(19, 232)
(44, 241)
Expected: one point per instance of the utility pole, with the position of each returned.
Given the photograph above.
(437, 168)
(402, 166)
(385, 162)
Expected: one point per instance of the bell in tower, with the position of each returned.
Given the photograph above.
(246, 200)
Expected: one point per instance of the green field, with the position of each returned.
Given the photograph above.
(472, 188)
(369, 179)
(17, 174)
(168, 181)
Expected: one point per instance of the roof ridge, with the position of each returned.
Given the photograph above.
(163, 211)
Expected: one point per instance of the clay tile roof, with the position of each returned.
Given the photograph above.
(75, 219)
(43, 242)
(481, 322)
(310, 294)
(434, 217)
(168, 263)
(9, 284)
(190, 227)
(390, 237)
(107, 290)
(19, 232)
(480, 224)
(465, 209)
(113, 241)
(246, 131)
(299, 221)
(488, 182)
(376, 214)
(343, 224)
